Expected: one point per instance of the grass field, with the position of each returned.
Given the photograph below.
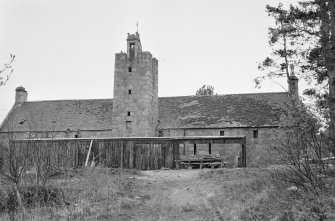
(114, 194)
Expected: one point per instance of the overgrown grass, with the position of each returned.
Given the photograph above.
(80, 194)
(253, 194)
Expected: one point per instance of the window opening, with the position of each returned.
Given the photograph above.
(129, 69)
(160, 133)
(128, 113)
(129, 91)
(255, 134)
(76, 136)
(132, 50)
(195, 149)
(209, 148)
(221, 133)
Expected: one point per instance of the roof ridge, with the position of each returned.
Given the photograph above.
(110, 99)
(262, 93)
(103, 99)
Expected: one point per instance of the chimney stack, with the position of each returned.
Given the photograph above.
(21, 95)
(293, 83)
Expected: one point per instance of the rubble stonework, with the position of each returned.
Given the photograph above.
(135, 100)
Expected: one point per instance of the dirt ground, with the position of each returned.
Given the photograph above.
(177, 195)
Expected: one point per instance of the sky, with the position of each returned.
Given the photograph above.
(65, 49)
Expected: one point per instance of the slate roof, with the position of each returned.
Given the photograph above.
(239, 110)
(60, 115)
(235, 110)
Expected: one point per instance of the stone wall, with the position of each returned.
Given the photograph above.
(259, 150)
(57, 134)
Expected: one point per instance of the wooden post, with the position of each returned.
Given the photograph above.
(244, 153)
(88, 154)
(122, 154)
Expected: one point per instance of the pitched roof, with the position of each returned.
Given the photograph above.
(60, 115)
(235, 110)
(239, 110)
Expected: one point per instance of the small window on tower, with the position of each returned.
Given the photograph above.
(221, 132)
(128, 113)
(255, 134)
(129, 91)
(129, 69)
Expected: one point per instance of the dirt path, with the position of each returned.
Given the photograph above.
(177, 195)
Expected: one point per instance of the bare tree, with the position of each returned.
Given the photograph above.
(4, 75)
(27, 167)
(303, 149)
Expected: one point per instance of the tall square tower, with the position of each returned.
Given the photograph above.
(135, 100)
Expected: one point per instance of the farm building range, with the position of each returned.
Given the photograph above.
(137, 111)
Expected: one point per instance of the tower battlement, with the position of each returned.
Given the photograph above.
(132, 37)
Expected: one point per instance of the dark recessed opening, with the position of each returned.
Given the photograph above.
(129, 69)
(255, 133)
(129, 91)
(221, 133)
(76, 136)
(128, 113)
(195, 149)
(160, 133)
(209, 148)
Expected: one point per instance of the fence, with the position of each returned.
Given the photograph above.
(138, 153)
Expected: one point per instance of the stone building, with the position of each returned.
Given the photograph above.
(137, 111)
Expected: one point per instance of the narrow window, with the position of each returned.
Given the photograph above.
(221, 133)
(255, 133)
(129, 69)
(195, 149)
(209, 148)
(129, 91)
(128, 113)
(76, 136)
(160, 133)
